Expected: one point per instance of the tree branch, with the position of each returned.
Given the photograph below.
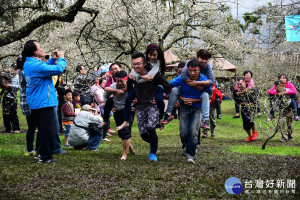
(178, 39)
(65, 15)
(7, 55)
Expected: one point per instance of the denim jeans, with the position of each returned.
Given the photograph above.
(189, 127)
(294, 106)
(205, 105)
(67, 131)
(92, 143)
(172, 99)
(204, 102)
(56, 147)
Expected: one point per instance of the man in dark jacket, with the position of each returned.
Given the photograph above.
(82, 84)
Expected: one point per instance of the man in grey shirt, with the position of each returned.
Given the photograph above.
(118, 108)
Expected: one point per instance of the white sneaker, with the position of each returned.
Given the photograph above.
(16, 131)
(106, 139)
(190, 159)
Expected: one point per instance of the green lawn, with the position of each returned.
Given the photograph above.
(102, 175)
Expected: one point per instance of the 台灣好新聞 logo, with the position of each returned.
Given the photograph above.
(233, 186)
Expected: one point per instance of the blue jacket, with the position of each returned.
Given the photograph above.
(188, 91)
(40, 91)
(206, 70)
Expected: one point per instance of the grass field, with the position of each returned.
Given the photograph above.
(102, 175)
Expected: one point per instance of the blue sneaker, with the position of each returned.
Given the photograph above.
(152, 157)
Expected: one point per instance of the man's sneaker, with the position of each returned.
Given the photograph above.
(219, 117)
(235, 116)
(17, 131)
(190, 159)
(106, 139)
(296, 118)
(213, 136)
(67, 145)
(108, 134)
(205, 125)
(37, 156)
(10, 96)
(254, 135)
(290, 139)
(111, 131)
(152, 157)
(205, 135)
(167, 119)
(47, 161)
(249, 139)
(30, 153)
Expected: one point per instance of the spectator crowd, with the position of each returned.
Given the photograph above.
(82, 111)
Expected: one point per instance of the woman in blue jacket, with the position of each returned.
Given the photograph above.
(41, 95)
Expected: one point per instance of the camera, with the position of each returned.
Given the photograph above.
(47, 57)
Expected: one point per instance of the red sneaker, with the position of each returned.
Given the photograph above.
(167, 119)
(111, 131)
(205, 125)
(171, 118)
(254, 135)
(249, 139)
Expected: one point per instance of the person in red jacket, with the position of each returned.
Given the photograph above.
(216, 97)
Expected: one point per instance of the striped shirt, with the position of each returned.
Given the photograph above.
(23, 102)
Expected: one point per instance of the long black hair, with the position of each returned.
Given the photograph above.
(20, 63)
(28, 51)
(160, 56)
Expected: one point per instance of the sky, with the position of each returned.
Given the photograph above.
(246, 6)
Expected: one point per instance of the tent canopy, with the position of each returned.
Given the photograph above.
(222, 63)
(218, 62)
(170, 57)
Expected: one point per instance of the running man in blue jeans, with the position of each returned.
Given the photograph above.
(202, 57)
(190, 108)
